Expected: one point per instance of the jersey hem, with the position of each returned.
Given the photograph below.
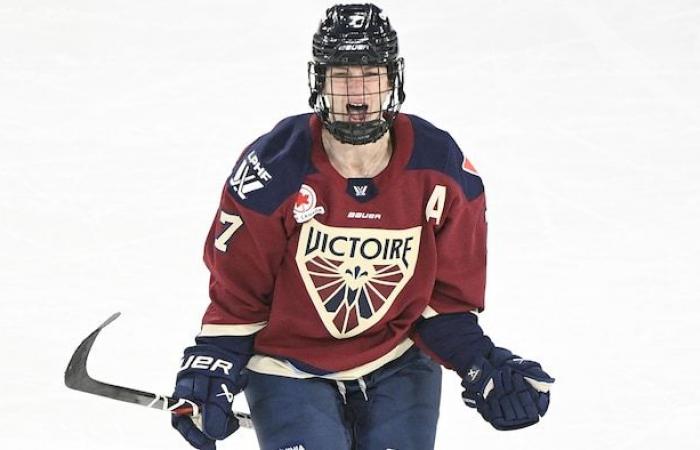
(270, 365)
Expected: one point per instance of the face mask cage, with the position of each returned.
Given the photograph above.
(356, 106)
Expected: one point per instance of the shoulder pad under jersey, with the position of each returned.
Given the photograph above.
(273, 166)
(435, 149)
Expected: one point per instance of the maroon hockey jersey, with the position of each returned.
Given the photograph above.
(330, 273)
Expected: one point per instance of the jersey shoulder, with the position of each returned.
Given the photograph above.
(435, 149)
(273, 167)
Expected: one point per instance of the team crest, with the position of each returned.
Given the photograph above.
(354, 275)
(305, 204)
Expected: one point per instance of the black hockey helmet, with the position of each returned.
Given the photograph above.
(355, 35)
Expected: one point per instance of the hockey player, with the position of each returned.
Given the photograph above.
(347, 261)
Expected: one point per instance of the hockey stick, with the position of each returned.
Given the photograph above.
(77, 378)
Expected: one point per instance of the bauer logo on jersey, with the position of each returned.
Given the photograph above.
(305, 204)
(249, 176)
(353, 275)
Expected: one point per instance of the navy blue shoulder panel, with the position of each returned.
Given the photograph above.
(273, 167)
(435, 149)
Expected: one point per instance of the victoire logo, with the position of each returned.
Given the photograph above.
(354, 275)
(249, 176)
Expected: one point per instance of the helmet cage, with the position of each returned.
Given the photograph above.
(337, 122)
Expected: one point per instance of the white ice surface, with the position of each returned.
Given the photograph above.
(120, 120)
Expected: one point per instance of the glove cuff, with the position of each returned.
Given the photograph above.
(212, 361)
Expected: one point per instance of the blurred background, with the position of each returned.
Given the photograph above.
(120, 121)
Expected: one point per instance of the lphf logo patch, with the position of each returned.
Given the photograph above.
(353, 275)
(305, 204)
(249, 176)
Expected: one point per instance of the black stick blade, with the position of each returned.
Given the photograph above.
(76, 372)
(76, 377)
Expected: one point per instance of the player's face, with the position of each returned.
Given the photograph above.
(356, 93)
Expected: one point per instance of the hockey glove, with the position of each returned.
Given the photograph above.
(509, 392)
(209, 377)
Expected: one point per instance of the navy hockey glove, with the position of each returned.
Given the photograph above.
(509, 392)
(210, 376)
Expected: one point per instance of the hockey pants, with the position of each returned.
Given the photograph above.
(393, 408)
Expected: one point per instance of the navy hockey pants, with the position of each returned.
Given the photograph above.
(395, 407)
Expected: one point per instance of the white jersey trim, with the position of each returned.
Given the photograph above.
(429, 312)
(280, 367)
(211, 330)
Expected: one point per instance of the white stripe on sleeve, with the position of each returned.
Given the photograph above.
(231, 330)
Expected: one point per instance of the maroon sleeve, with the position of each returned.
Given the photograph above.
(243, 251)
(451, 335)
(461, 255)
